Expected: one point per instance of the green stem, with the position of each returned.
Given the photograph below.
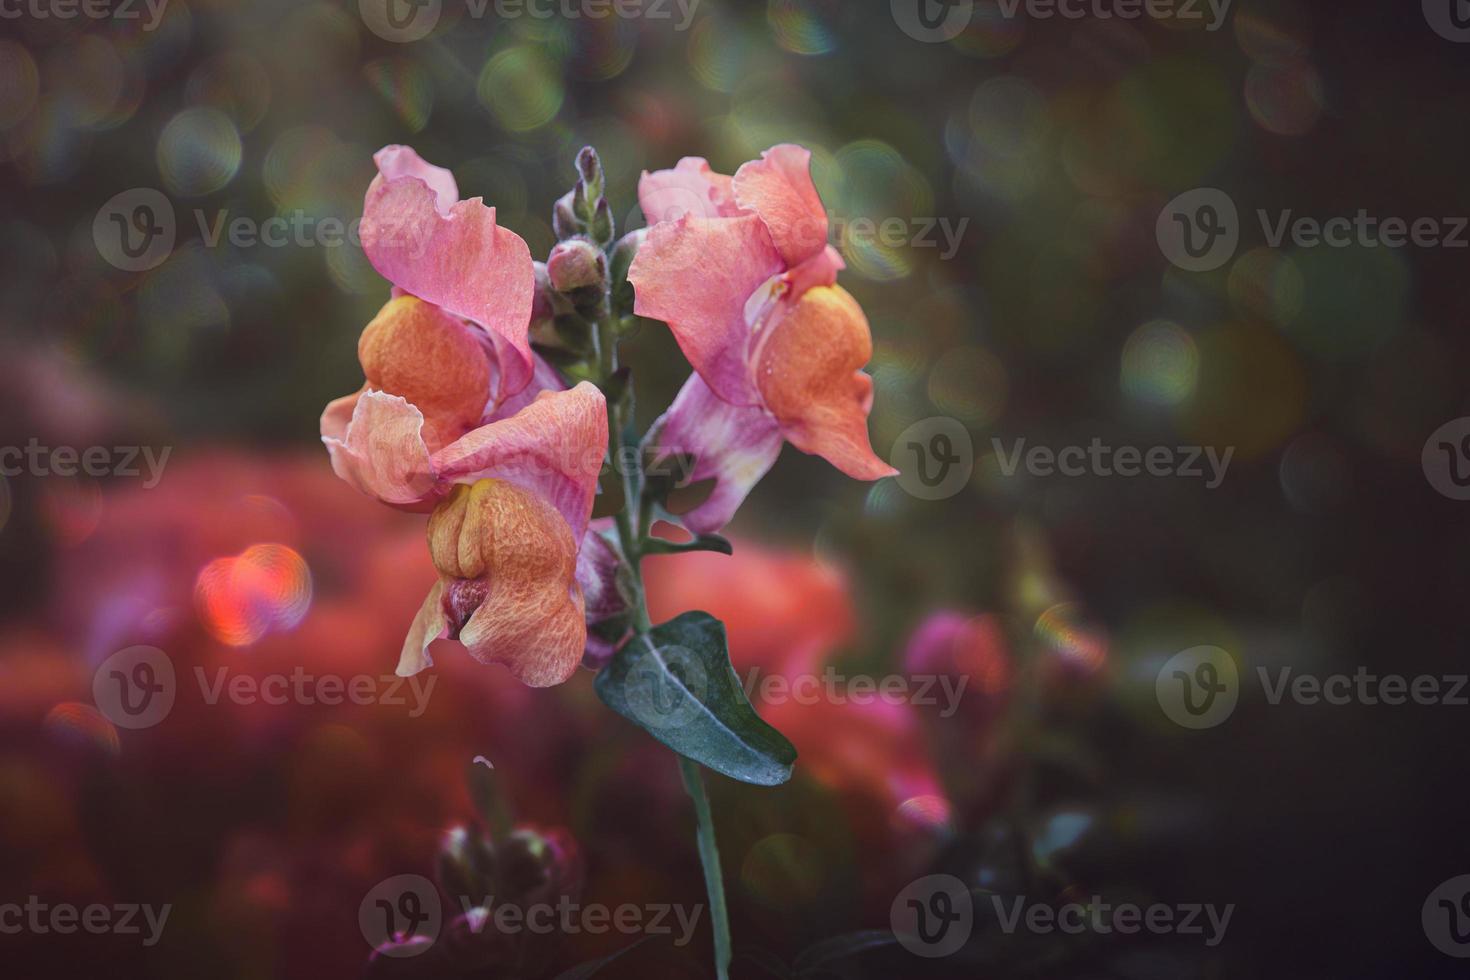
(709, 857)
(631, 542)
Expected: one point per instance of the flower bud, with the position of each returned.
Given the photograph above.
(466, 864)
(564, 219)
(623, 254)
(576, 264)
(540, 866)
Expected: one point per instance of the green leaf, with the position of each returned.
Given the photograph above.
(823, 954)
(705, 542)
(584, 970)
(676, 683)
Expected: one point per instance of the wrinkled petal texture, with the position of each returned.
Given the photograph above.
(376, 443)
(553, 447)
(429, 624)
(532, 618)
(807, 371)
(402, 161)
(455, 257)
(779, 188)
(439, 363)
(696, 274)
(690, 188)
(733, 445)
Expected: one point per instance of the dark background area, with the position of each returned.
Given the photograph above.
(1057, 319)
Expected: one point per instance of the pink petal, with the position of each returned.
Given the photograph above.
(779, 188)
(696, 274)
(597, 569)
(401, 161)
(544, 377)
(553, 447)
(380, 449)
(732, 444)
(429, 624)
(819, 270)
(690, 188)
(457, 258)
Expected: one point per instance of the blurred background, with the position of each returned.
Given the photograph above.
(1000, 185)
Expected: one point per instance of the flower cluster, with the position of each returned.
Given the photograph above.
(462, 417)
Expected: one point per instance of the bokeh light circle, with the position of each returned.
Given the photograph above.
(198, 152)
(1160, 363)
(522, 88)
(266, 588)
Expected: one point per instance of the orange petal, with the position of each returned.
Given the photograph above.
(807, 369)
(779, 188)
(434, 360)
(531, 618)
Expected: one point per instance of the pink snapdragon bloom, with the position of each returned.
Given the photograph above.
(449, 352)
(746, 281)
(456, 416)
